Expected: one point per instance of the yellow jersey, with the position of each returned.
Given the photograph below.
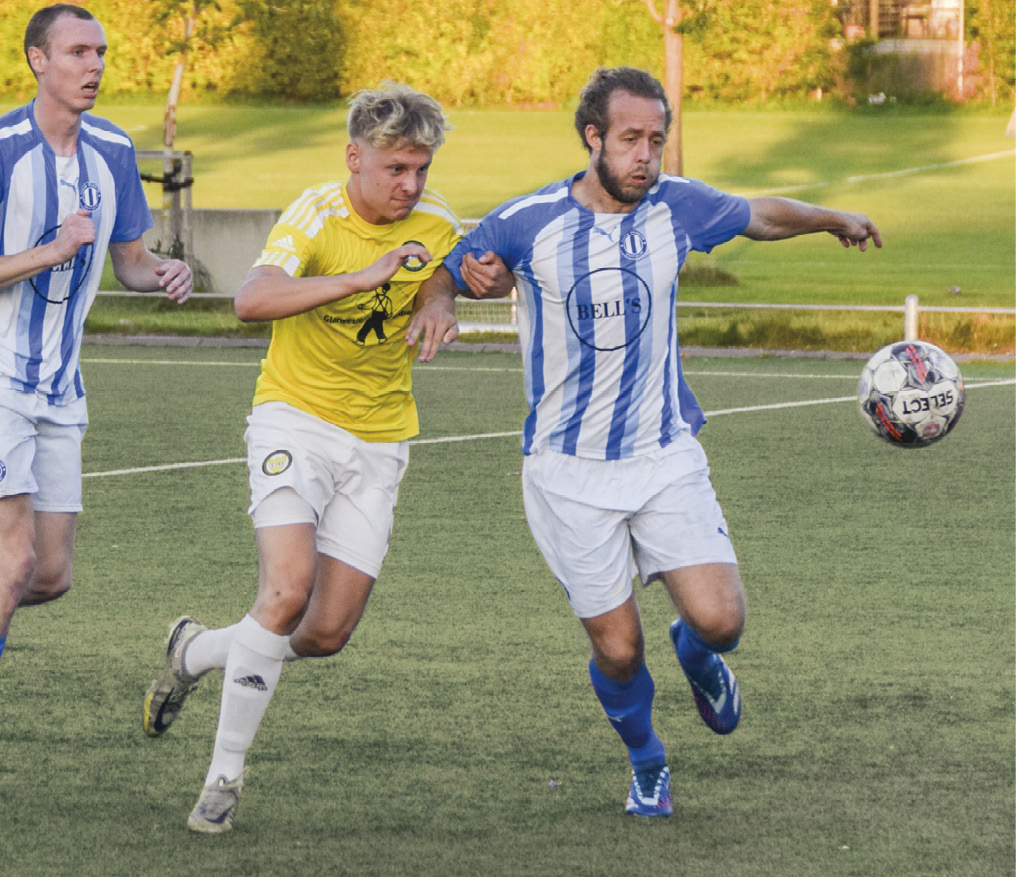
(347, 362)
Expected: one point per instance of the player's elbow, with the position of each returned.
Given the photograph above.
(243, 310)
(245, 307)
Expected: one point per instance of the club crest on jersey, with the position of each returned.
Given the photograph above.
(413, 263)
(277, 462)
(89, 196)
(3, 470)
(633, 244)
(609, 308)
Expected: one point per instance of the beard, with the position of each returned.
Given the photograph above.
(614, 186)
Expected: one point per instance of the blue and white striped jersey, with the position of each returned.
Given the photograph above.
(597, 311)
(42, 319)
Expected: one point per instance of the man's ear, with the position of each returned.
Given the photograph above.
(593, 138)
(36, 59)
(353, 157)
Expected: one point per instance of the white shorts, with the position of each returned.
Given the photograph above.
(598, 522)
(40, 450)
(348, 487)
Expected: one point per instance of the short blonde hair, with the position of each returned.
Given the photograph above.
(394, 113)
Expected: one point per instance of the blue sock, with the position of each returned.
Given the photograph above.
(629, 706)
(3, 642)
(694, 652)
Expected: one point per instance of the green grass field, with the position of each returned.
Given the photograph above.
(457, 734)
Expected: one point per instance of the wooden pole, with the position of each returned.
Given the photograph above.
(673, 79)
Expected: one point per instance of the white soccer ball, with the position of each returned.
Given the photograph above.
(911, 393)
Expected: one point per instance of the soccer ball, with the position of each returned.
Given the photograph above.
(911, 393)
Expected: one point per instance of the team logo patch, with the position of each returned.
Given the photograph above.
(633, 244)
(3, 470)
(89, 196)
(609, 308)
(413, 263)
(277, 462)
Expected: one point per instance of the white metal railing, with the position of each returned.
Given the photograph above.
(501, 315)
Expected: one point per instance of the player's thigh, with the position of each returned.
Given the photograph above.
(17, 549)
(585, 542)
(711, 598)
(287, 559)
(54, 556)
(335, 607)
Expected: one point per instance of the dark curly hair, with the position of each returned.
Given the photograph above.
(594, 100)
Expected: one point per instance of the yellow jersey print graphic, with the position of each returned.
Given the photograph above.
(380, 307)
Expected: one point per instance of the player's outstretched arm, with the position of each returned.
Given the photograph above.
(137, 268)
(76, 231)
(487, 276)
(775, 219)
(269, 293)
(434, 322)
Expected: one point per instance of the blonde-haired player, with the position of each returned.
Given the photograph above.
(333, 410)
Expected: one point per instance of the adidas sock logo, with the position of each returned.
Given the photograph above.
(253, 681)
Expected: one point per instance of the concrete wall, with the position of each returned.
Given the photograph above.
(226, 242)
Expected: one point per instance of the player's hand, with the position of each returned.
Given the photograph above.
(176, 278)
(487, 277)
(409, 254)
(858, 231)
(75, 232)
(433, 324)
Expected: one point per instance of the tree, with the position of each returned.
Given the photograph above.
(194, 29)
(673, 78)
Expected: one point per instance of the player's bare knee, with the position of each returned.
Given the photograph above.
(620, 660)
(18, 568)
(720, 629)
(46, 582)
(282, 607)
(321, 644)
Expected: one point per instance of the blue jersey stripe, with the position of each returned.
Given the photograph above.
(535, 385)
(582, 357)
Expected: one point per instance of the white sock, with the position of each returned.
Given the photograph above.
(210, 648)
(252, 671)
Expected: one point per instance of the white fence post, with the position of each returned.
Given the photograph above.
(910, 318)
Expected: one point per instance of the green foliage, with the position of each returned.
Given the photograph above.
(296, 50)
(758, 49)
(481, 52)
(990, 26)
(468, 52)
(870, 72)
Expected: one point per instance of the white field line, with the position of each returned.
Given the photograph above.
(861, 178)
(430, 367)
(203, 362)
(487, 435)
